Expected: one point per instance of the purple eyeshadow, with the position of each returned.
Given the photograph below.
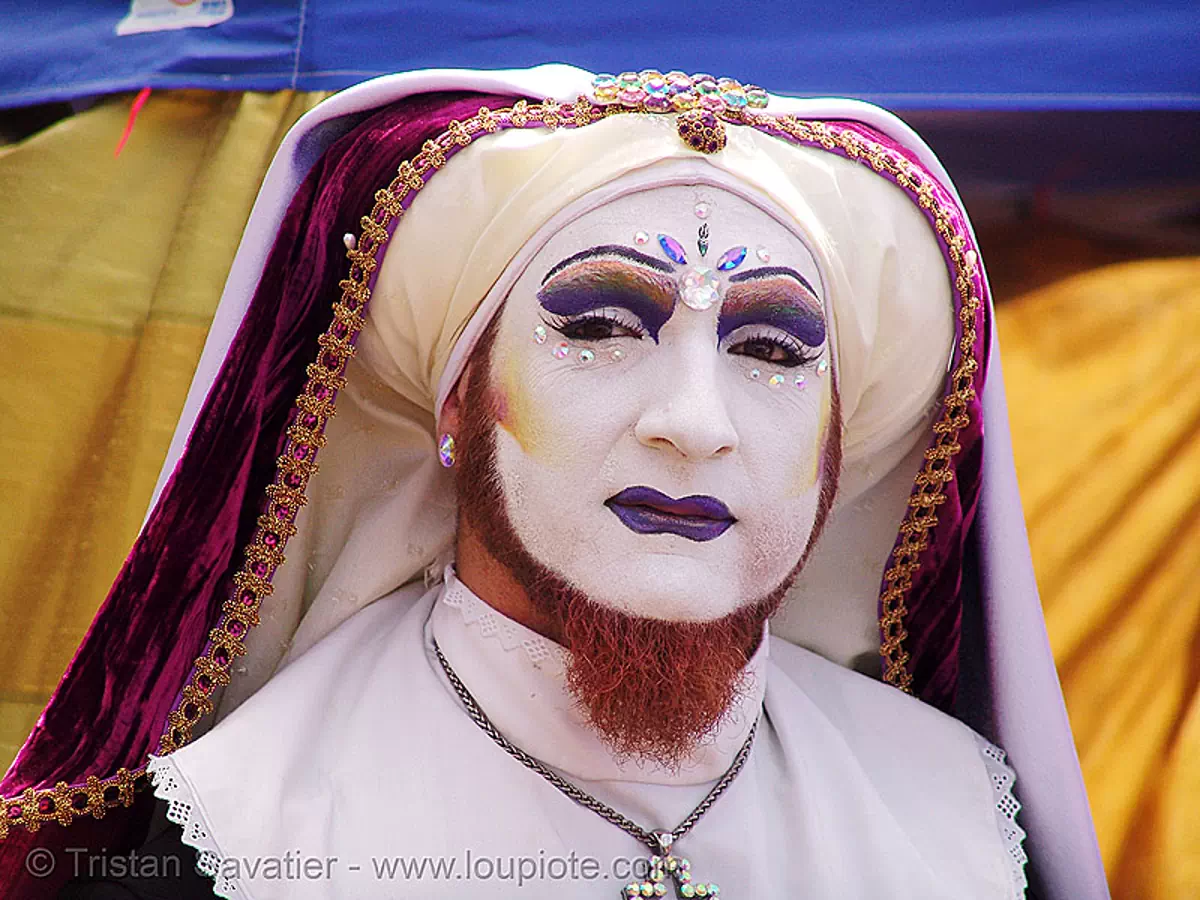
(804, 324)
(576, 298)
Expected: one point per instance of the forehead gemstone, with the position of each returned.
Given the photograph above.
(673, 249)
(702, 210)
(763, 254)
(641, 238)
(699, 287)
(731, 259)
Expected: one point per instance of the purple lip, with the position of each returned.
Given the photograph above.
(647, 511)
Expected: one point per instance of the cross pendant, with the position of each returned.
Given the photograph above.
(664, 866)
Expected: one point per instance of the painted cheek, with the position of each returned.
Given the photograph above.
(516, 411)
(808, 470)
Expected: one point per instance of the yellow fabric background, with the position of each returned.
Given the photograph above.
(110, 269)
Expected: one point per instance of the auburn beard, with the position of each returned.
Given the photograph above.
(652, 689)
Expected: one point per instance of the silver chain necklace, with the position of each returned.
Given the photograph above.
(662, 864)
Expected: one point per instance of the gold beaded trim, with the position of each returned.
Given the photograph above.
(326, 376)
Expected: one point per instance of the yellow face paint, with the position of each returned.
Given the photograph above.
(516, 412)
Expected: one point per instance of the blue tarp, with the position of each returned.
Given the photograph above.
(1104, 54)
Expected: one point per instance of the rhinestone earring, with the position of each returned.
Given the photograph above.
(446, 452)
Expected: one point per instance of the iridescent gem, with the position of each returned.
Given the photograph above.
(731, 259)
(726, 83)
(660, 890)
(539, 334)
(561, 350)
(972, 258)
(640, 238)
(702, 890)
(763, 254)
(756, 97)
(658, 102)
(629, 80)
(350, 241)
(712, 102)
(775, 380)
(702, 210)
(699, 287)
(606, 94)
(686, 890)
(586, 356)
(799, 381)
(705, 77)
(685, 100)
(647, 74)
(673, 249)
(735, 99)
(655, 84)
(705, 88)
(647, 889)
(446, 450)
(754, 373)
(632, 889)
(678, 82)
(604, 80)
(823, 367)
(618, 354)
(631, 96)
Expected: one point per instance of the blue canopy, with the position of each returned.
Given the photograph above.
(1094, 54)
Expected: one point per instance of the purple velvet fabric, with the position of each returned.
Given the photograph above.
(111, 705)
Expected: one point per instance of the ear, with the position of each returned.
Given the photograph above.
(451, 417)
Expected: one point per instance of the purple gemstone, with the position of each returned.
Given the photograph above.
(283, 513)
(331, 361)
(260, 569)
(189, 710)
(300, 451)
(236, 628)
(46, 806)
(14, 812)
(271, 539)
(340, 329)
(308, 420)
(321, 392)
(293, 479)
(731, 259)
(221, 656)
(246, 598)
(673, 249)
(204, 683)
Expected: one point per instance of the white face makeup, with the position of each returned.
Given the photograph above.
(664, 385)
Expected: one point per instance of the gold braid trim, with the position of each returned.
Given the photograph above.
(326, 376)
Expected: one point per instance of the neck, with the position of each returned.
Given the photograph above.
(493, 583)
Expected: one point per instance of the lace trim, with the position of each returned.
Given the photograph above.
(1003, 778)
(171, 786)
(492, 624)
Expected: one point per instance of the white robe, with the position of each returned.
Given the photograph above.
(356, 772)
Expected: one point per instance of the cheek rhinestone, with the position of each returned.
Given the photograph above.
(763, 254)
(799, 382)
(754, 373)
(702, 210)
(586, 356)
(561, 350)
(618, 354)
(822, 367)
(539, 334)
(641, 238)
(775, 380)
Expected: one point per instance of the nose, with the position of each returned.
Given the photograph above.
(687, 413)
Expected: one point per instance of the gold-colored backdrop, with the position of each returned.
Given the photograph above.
(110, 269)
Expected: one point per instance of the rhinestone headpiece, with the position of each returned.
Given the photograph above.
(698, 98)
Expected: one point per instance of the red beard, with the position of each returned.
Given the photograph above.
(651, 688)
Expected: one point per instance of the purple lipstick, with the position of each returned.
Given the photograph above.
(697, 517)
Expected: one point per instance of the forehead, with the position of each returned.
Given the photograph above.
(636, 220)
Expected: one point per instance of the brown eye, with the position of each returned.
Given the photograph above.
(766, 351)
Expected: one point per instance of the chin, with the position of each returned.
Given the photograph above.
(671, 587)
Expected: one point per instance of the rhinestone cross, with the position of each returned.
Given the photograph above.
(664, 865)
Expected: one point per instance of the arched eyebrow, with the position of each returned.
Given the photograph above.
(769, 271)
(609, 250)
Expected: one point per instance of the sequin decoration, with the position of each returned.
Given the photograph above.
(754, 373)
(561, 350)
(673, 249)
(539, 334)
(702, 240)
(763, 254)
(586, 356)
(799, 381)
(775, 380)
(641, 238)
(731, 259)
(699, 287)
(618, 354)
(702, 210)
(823, 367)
(446, 451)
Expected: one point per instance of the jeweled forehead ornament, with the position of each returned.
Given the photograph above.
(697, 98)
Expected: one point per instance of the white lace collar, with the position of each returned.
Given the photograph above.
(518, 678)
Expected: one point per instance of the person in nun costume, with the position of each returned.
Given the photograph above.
(592, 486)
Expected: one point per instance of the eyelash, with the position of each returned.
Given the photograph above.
(572, 327)
(795, 353)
